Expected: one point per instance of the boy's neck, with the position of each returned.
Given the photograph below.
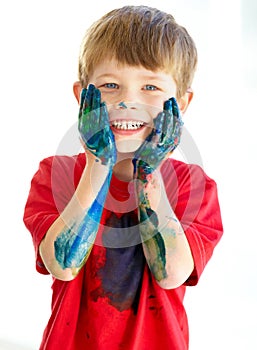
(123, 169)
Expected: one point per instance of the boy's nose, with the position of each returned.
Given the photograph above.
(127, 99)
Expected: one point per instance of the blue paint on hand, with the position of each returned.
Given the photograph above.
(163, 139)
(94, 126)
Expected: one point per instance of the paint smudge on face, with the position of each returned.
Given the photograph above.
(122, 104)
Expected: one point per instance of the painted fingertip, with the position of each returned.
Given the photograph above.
(91, 87)
(167, 105)
(103, 104)
(89, 94)
(97, 94)
(96, 99)
(158, 121)
(173, 101)
(104, 116)
(175, 107)
(83, 94)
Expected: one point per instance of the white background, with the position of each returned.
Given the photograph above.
(39, 50)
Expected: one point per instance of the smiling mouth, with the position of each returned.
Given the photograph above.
(127, 124)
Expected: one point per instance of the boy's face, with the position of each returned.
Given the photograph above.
(134, 96)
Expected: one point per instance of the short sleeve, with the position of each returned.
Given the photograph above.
(51, 189)
(194, 198)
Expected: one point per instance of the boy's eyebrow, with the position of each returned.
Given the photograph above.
(153, 77)
(106, 75)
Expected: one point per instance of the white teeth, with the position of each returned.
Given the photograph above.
(127, 124)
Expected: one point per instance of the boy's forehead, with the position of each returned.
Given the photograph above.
(112, 68)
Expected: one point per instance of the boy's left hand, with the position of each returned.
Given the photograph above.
(163, 139)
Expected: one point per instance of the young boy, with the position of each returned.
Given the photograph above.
(122, 227)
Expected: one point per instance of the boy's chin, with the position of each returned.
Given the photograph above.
(128, 146)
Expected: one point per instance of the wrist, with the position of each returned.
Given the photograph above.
(142, 170)
(150, 191)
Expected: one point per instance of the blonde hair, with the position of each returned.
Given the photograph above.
(140, 35)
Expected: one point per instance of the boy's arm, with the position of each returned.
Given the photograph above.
(164, 242)
(69, 240)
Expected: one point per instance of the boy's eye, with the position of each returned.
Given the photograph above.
(111, 86)
(150, 87)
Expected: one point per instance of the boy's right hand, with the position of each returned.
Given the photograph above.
(94, 126)
(163, 139)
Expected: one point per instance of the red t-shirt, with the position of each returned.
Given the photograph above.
(115, 302)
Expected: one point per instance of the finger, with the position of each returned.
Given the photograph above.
(87, 107)
(178, 122)
(96, 99)
(82, 99)
(158, 122)
(105, 124)
(168, 105)
(95, 108)
(168, 120)
(104, 116)
(158, 127)
(175, 108)
(82, 96)
(176, 128)
(176, 111)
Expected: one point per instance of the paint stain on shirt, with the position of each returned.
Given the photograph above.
(121, 275)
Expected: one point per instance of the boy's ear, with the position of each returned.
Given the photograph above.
(77, 90)
(185, 100)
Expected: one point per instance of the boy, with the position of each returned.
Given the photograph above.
(123, 228)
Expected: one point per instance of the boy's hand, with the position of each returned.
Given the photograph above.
(94, 126)
(163, 139)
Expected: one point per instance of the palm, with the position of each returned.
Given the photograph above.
(163, 139)
(94, 126)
